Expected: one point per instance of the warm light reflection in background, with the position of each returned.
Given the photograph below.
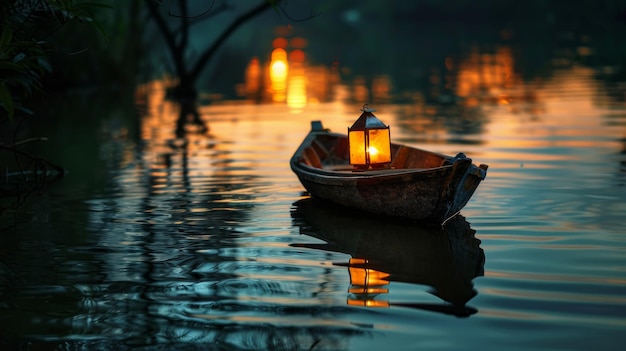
(467, 92)
(278, 75)
(476, 103)
(287, 77)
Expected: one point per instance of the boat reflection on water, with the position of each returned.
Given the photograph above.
(446, 258)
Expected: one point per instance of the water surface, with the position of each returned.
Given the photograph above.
(209, 242)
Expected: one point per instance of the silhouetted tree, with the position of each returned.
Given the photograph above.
(25, 29)
(176, 30)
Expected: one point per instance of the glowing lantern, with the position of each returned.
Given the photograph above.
(370, 145)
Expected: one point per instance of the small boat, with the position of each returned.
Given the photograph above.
(417, 185)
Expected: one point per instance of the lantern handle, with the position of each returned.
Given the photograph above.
(367, 109)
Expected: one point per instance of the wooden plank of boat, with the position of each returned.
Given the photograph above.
(418, 185)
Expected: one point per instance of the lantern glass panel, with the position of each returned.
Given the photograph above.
(379, 146)
(357, 147)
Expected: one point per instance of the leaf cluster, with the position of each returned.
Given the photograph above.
(24, 27)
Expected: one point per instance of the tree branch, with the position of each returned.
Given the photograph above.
(12, 148)
(206, 55)
(168, 35)
(278, 6)
(208, 13)
(182, 4)
(25, 141)
(205, 12)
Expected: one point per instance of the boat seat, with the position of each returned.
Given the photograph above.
(399, 158)
(311, 158)
(320, 150)
(340, 149)
(339, 168)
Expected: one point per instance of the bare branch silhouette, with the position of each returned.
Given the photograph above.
(205, 12)
(207, 54)
(280, 7)
(177, 39)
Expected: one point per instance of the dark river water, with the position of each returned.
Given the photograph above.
(208, 241)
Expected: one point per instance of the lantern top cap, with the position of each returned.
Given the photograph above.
(367, 109)
(367, 120)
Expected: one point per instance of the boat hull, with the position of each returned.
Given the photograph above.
(431, 194)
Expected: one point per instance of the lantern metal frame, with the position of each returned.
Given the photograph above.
(366, 125)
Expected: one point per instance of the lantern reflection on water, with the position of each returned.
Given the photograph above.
(366, 284)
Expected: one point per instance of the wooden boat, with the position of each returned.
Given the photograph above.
(445, 258)
(418, 185)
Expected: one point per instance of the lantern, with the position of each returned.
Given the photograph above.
(369, 141)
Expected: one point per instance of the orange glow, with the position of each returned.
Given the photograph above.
(368, 303)
(357, 147)
(278, 74)
(296, 92)
(506, 131)
(253, 77)
(287, 77)
(369, 147)
(367, 290)
(486, 75)
(297, 82)
(372, 151)
(366, 283)
(381, 88)
(279, 70)
(319, 83)
(379, 143)
(367, 278)
(279, 43)
(359, 90)
(279, 55)
(298, 43)
(296, 56)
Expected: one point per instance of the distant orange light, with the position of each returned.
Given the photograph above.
(296, 92)
(279, 43)
(279, 69)
(279, 54)
(253, 74)
(298, 43)
(449, 63)
(296, 56)
(278, 74)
